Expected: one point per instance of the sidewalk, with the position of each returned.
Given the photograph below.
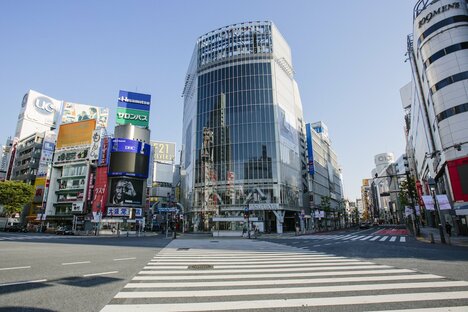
(453, 240)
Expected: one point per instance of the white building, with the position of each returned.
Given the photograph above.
(436, 102)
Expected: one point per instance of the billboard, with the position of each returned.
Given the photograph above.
(133, 108)
(76, 133)
(134, 100)
(39, 186)
(310, 149)
(100, 190)
(163, 151)
(126, 191)
(103, 158)
(38, 113)
(47, 153)
(73, 112)
(129, 158)
(132, 116)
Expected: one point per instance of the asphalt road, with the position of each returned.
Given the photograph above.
(446, 260)
(56, 273)
(365, 270)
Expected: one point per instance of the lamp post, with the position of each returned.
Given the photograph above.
(431, 182)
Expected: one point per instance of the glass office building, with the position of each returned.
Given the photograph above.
(243, 138)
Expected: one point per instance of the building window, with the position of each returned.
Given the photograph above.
(443, 52)
(443, 23)
(452, 111)
(448, 81)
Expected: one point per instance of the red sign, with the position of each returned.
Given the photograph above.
(458, 170)
(100, 190)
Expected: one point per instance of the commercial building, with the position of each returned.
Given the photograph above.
(129, 160)
(435, 104)
(325, 181)
(243, 138)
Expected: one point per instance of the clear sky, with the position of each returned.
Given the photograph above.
(348, 57)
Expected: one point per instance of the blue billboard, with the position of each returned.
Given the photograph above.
(310, 149)
(129, 158)
(130, 146)
(132, 100)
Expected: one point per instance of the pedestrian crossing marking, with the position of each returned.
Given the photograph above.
(348, 237)
(294, 277)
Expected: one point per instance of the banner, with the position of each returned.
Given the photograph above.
(428, 202)
(443, 202)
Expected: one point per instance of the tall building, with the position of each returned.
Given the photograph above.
(435, 102)
(243, 131)
(325, 179)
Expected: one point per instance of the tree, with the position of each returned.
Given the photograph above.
(14, 195)
(408, 193)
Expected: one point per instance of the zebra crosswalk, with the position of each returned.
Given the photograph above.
(351, 237)
(240, 275)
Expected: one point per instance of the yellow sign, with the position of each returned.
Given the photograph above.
(76, 133)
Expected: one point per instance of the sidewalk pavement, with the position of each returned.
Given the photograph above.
(453, 240)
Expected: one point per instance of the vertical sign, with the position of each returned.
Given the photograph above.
(310, 149)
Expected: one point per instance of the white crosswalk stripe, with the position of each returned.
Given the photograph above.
(349, 238)
(243, 276)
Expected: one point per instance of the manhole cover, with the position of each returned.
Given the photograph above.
(200, 267)
(179, 249)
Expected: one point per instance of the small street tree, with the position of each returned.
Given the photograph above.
(14, 195)
(408, 195)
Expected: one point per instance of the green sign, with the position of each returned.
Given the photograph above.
(135, 117)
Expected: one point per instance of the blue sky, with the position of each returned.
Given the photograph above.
(348, 57)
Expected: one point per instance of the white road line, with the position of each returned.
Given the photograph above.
(366, 238)
(374, 238)
(281, 303)
(358, 237)
(439, 309)
(72, 263)
(383, 238)
(182, 273)
(102, 273)
(327, 263)
(393, 238)
(25, 282)
(402, 239)
(15, 268)
(190, 261)
(284, 282)
(286, 290)
(123, 259)
(304, 274)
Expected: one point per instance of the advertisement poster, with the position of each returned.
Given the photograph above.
(76, 134)
(73, 112)
(126, 191)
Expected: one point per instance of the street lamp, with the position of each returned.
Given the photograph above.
(431, 182)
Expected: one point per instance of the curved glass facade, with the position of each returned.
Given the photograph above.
(243, 144)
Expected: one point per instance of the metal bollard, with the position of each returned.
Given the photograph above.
(432, 238)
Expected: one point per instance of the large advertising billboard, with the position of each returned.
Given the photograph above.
(38, 113)
(129, 158)
(133, 108)
(126, 191)
(76, 133)
(73, 112)
(164, 151)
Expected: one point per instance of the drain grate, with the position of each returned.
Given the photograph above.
(200, 267)
(179, 249)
